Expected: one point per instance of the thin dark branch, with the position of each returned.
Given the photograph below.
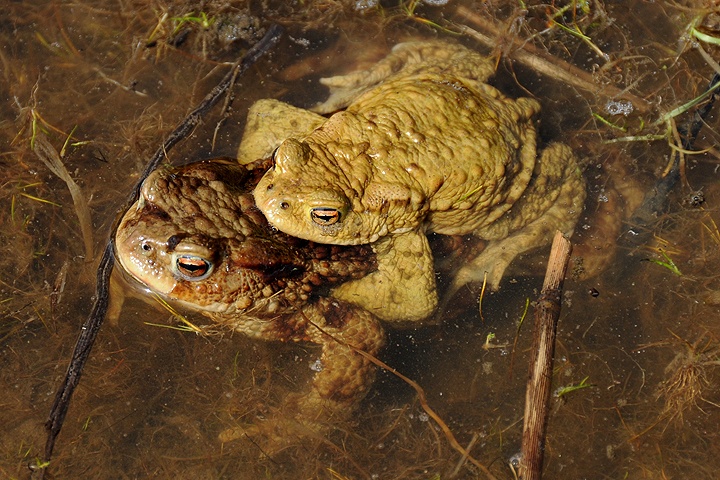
(92, 325)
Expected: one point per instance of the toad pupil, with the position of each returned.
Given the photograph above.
(193, 267)
(325, 216)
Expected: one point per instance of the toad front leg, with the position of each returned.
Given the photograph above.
(269, 123)
(341, 382)
(403, 287)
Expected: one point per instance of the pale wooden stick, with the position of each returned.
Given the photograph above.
(537, 394)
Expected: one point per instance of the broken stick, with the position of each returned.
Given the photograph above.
(537, 394)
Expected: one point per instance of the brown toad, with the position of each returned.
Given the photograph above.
(423, 145)
(195, 237)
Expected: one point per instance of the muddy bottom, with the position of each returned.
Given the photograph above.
(103, 84)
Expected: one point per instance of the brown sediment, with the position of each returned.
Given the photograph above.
(154, 400)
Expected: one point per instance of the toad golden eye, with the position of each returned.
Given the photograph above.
(325, 216)
(192, 267)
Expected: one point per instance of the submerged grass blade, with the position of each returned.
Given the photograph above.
(667, 263)
(704, 36)
(572, 388)
(181, 328)
(713, 231)
(686, 106)
(187, 326)
(50, 157)
(38, 199)
(608, 122)
(637, 138)
(576, 32)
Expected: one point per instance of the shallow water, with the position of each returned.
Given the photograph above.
(152, 400)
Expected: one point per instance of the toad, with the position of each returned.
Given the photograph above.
(418, 143)
(196, 238)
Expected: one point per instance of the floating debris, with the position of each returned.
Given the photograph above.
(615, 107)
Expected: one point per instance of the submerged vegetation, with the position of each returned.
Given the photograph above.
(91, 89)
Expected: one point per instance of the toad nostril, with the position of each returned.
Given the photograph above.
(146, 246)
(284, 205)
(270, 187)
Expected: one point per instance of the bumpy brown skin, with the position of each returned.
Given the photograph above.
(423, 145)
(195, 237)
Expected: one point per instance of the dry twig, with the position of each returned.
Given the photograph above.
(545, 64)
(537, 395)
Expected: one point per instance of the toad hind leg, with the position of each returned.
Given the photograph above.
(403, 287)
(439, 56)
(546, 212)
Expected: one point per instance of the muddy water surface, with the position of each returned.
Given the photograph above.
(103, 84)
